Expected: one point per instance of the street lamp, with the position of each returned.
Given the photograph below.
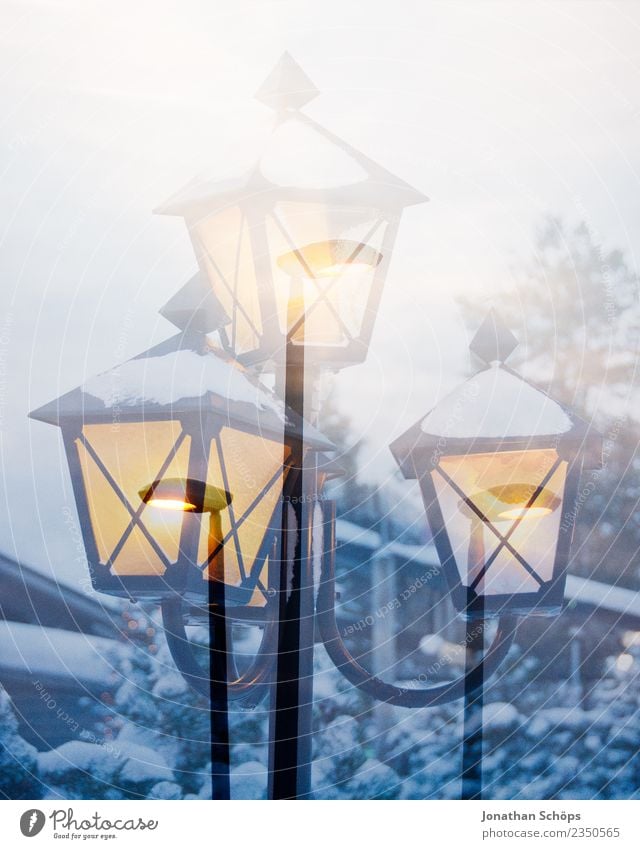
(199, 488)
(178, 468)
(176, 456)
(498, 462)
(294, 252)
(296, 248)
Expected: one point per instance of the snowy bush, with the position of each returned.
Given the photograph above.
(18, 759)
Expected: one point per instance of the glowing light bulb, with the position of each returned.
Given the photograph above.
(186, 495)
(171, 504)
(339, 268)
(525, 513)
(509, 502)
(328, 259)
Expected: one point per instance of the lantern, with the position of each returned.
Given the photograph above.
(177, 464)
(297, 247)
(499, 462)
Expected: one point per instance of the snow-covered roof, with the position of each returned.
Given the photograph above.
(183, 374)
(606, 596)
(582, 590)
(178, 374)
(302, 156)
(46, 653)
(496, 403)
(349, 533)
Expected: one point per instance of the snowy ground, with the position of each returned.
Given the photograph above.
(537, 742)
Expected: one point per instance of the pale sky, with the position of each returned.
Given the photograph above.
(499, 112)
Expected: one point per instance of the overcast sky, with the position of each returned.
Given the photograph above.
(499, 112)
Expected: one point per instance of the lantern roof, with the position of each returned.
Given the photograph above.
(496, 403)
(300, 160)
(185, 374)
(493, 410)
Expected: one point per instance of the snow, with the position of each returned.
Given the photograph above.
(431, 644)
(121, 762)
(499, 716)
(180, 374)
(495, 403)
(351, 534)
(142, 764)
(597, 594)
(290, 152)
(166, 790)
(249, 781)
(52, 652)
(348, 532)
(375, 780)
(77, 756)
(298, 155)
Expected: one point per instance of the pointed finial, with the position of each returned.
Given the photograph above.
(195, 307)
(493, 340)
(287, 86)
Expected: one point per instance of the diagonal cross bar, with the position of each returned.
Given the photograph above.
(323, 293)
(125, 501)
(223, 280)
(538, 490)
(235, 526)
(135, 519)
(504, 542)
(236, 276)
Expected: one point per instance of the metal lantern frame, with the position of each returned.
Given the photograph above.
(377, 192)
(298, 596)
(201, 418)
(422, 459)
(420, 456)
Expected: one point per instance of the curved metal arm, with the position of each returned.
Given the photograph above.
(247, 689)
(357, 675)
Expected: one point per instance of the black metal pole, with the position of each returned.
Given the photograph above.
(219, 703)
(472, 715)
(290, 731)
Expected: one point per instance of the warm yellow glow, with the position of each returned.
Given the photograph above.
(170, 504)
(525, 513)
(328, 259)
(340, 268)
(185, 494)
(509, 502)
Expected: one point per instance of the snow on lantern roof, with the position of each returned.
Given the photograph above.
(300, 158)
(493, 409)
(181, 375)
(496, 404)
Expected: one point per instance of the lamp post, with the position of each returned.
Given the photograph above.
(199, 489)
(498, 463)
(176, 462)
(295, 251)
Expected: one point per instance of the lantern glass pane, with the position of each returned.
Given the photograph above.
(117, 462)
(323, 263)
(225, 253)
(502, 514)
(250, 468)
